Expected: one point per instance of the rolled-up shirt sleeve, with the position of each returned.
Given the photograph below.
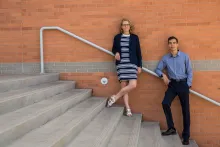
(189, 71)
(161, 65)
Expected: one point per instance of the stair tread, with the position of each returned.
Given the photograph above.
(127, 132)
(12, 82)
(9, 120)
(52, 131)
(192, 143)
(13, 77)
(149, 134)
(99, 129)
(27, 90)
(171, 140)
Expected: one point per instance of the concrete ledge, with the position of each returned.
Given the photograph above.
(82, 67)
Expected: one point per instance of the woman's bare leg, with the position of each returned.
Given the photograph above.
(131, 85)
(125, 97)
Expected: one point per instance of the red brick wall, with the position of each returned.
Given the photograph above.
(195, 22)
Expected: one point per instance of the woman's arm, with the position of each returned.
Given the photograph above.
(114, 48)
(139, 56)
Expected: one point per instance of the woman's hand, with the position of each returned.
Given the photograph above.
(139, 70)
(117, 56)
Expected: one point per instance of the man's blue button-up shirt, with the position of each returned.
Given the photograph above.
(178, 67)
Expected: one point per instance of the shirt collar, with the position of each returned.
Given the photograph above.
(178, 54)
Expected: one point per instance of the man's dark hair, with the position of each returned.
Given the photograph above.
(172, 37)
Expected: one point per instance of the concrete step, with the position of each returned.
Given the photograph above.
(127, 132)
(170, 141)
(100, 130)
(15, 124)
(12, 82)
(175, 141)
(15, 99)
(150, 134)
(60, 131)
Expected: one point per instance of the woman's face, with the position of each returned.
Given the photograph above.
(125, 26)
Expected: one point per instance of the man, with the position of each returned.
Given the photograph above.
(180, 74)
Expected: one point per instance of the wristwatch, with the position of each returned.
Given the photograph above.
(161, 76)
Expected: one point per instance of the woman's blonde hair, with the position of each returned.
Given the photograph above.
(131, 25)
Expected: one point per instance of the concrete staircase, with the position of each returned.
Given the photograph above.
(41, 111)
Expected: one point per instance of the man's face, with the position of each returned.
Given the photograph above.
(173, 45)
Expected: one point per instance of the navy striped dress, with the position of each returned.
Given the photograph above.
(125, 69)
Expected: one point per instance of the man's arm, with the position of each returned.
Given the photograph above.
(161, 65)
(189, 71)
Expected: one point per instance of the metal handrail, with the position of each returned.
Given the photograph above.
(104, 50)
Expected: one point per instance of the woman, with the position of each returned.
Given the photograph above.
(126, 48)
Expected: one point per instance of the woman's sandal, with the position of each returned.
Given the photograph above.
(110, 101)
(127, 112)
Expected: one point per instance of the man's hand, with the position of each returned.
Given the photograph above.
(117, 56)
(165, 79)
(139, 70)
